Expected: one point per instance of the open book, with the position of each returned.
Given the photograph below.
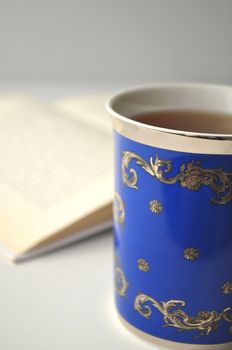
(55, 173)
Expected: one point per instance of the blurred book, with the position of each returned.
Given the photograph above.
(55, 173)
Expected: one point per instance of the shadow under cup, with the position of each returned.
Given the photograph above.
(173, 219)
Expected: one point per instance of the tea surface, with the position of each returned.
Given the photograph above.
(188, 120)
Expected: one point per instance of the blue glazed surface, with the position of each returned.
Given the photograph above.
(188, 219)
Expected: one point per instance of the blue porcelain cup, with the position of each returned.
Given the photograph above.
(173, 219)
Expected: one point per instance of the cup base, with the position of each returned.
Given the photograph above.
(170, 345)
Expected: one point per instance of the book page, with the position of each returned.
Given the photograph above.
(90, 109)
(53, 172)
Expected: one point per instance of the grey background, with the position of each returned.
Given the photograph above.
(116, 40)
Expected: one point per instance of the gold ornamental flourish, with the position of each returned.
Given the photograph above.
(191, 176)
(121, 284)
(205, 322)
(119, 209)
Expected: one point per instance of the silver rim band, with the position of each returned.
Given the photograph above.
(173, 142)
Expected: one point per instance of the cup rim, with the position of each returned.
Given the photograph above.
(141, 88)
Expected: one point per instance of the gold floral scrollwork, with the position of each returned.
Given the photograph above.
(191, 175)
(121, 284)
(119, 209)
(205, 322)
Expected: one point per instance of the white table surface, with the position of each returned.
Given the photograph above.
(63, 300)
